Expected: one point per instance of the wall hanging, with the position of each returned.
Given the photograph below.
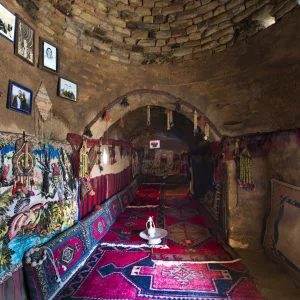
(49, 57)
(67, 89)
(7, 23)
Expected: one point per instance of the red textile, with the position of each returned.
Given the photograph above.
(104, 187)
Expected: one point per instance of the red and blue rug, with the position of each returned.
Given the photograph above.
(113, 274)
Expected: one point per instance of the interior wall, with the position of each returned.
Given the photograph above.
(249, 210)
(214, 84)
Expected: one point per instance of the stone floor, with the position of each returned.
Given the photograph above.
(273, 281)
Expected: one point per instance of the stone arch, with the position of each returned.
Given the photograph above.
(143, 97)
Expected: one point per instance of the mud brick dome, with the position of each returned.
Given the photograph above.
(156, 31)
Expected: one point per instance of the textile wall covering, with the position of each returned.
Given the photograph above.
(32, 215)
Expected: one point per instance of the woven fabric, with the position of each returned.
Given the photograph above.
(283, 227)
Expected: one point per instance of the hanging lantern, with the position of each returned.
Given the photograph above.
(148, 116)
(206, 131)
(195, 122)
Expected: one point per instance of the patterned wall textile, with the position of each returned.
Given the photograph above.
(104, 187)
(113, 208)
(125, 197)
(212, 202)
(69, 250)
(283, 227)
(96, 225)
(34, 212)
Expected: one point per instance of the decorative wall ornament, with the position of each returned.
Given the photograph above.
(121, 123)
(43, 102)
(245, 180)
(112, 155)
(148, 116)
(195, 122)
(167, 112)
(84, 160)
(206, 132)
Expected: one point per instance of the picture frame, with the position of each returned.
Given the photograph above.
(7, 23)
(49, 57)
(25, 41)
(19, 98)
(154, 144)
(67, 89)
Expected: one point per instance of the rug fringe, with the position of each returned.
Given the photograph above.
(178, 263)
(134, 246)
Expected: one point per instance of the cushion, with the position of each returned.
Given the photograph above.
(69, 249)
(96, 225)
(113, 208)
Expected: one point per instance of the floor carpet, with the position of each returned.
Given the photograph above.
(112, 274)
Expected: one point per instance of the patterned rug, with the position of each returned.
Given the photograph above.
(283, 227)
(147, 195)
(191, 238)
(112, 274)
(125, 231)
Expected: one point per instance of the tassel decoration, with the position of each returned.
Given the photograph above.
(206, 132)
(121, 123)
(148, 116)
(84, 161)
(167, 112)
(195, 122)
(171, 118)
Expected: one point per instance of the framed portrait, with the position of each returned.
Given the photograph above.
(25, 41)
(49, 57)
(67, 89)
(19, 98)
(154, 144)
(7, 23)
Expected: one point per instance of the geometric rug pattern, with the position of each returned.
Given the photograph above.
(113, 274)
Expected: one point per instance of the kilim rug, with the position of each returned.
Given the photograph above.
(125, 231)
(112, 274)
(191, 238)
(147, 196)
(283, 227)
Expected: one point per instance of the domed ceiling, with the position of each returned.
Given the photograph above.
(155, 31)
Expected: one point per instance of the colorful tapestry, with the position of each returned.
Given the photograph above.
(191, 236)
(125, 231)
(34, 212)
(283, 227)
(112, 274)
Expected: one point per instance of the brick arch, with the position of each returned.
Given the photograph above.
(160, 98)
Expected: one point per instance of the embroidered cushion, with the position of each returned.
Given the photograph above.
(96, 225)
(69, 250)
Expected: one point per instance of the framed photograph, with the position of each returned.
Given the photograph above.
(49, 56)
(67, 89)
(19, 98)
(7, 23)
(25, 41)
(154, 144)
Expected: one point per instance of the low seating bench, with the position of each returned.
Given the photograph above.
(70, 249)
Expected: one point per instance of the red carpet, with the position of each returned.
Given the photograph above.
(125, 231)
(148, 194)
(112, 274)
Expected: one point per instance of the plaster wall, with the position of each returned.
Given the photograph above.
(252, 87)
(248, 211)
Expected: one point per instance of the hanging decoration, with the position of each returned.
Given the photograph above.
(92, 156)
(112, 155)
(43, 102)
(148, 116)
(245, 180)
(171, 118)
(124, 102)
(236, 151)
(86, 186)
(23, 163)
(167, 112)
(84, 160)
(196, 130)
(206, 132)
(202, 123)
(121, 123)
(99, 156)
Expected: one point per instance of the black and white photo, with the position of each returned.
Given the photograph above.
(49, 56)
(67, 89)
(25, 41)
(7, 23)
(19, 98)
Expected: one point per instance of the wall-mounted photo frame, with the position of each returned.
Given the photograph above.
(154, 144)
(49, 57)
(19, 98)
(67, 89)
(25, 41)
(7, 23)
